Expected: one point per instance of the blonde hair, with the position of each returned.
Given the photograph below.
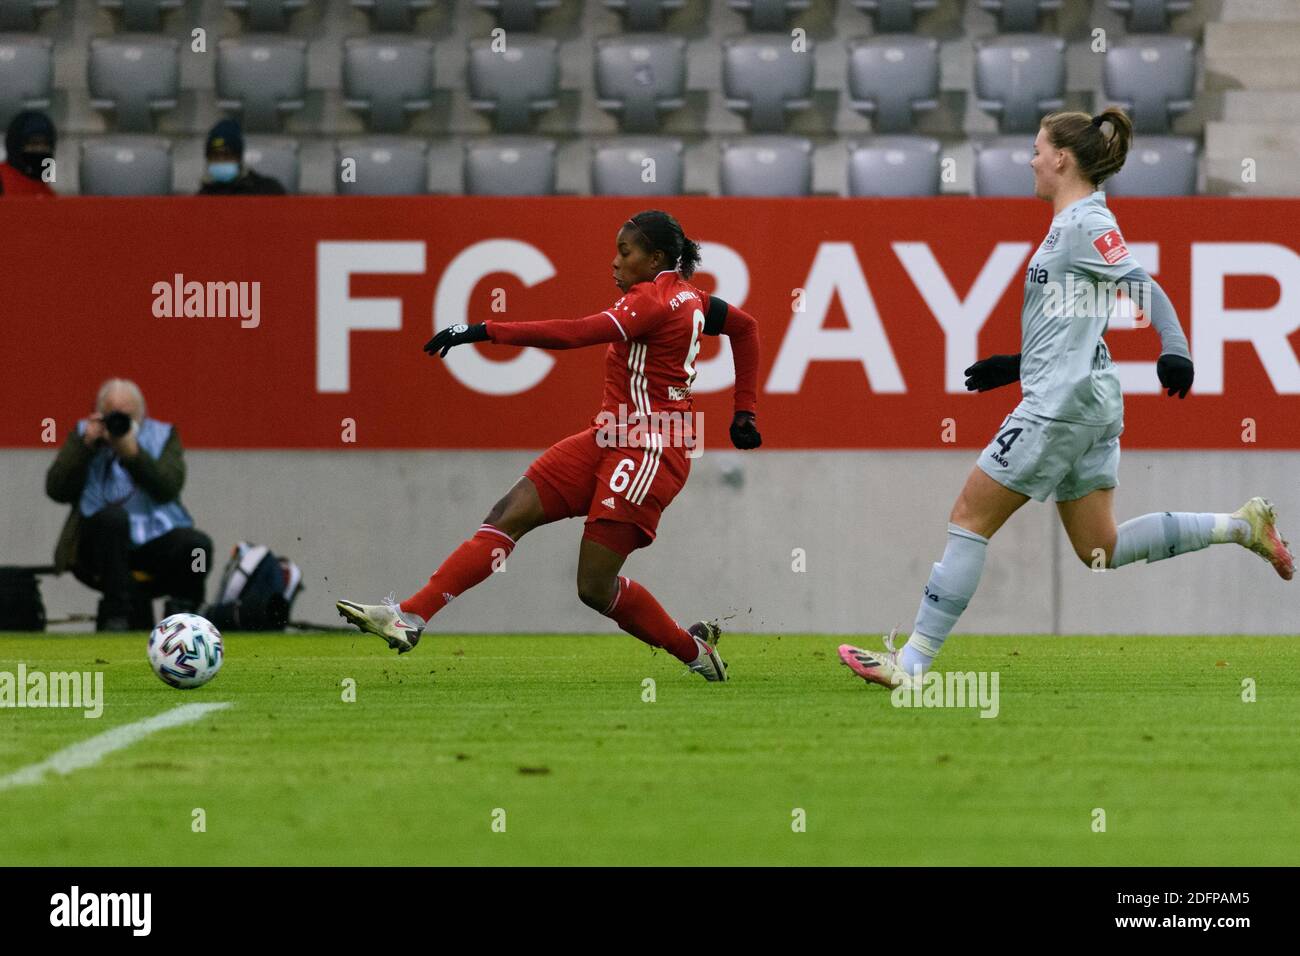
(1099, 154)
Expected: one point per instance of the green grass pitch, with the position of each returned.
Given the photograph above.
(553, 730)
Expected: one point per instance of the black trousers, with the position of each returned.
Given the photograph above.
(106, 558)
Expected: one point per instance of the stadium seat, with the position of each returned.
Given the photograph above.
(1019, 16)
(892, 76)
(894, 166)
(1020, 78)
(894, 16)
(135, 166)
(1149, 16)
(388, 78)
(271, 16)
(639, 76)
(394, 15)
(767, 166)
(26, 74)
(765, 77)
(506, 167)
(1002, 166)
(768, 14)
(134, 77)
(620, 168)
(383, 167)
(141, 15)
(518, 14)
(1152, 78)
(514, 84)
(21, 15)
(644, 14)
(261, 77)
(276, 157)
(1157, 166)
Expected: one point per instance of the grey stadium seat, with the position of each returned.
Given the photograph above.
(1152, 77)
(1019, 16)
(26, 74)
(764, 77)
(384, 167)
(514, 84)
(894, 166)
(1002, 166)
(387, 78)
(276, 157)
(767, 166)
(518, 14)
(506, 167)
(396, 15)
(644, 14)
(271, 16)
(892, 76)
(1157, 166)
(126, 167)
(1020, 78)
(262, 77)
(134, 77)
(768, 14)
(21, 14)
(1149, 16)
(894, 16)
(142, 15)
(638, 76)
(620, 168)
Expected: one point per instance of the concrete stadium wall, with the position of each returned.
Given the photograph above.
(364, 523)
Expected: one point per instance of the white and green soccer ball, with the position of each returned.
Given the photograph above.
(185, 650)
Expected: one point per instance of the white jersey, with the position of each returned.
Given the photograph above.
(1066, 372)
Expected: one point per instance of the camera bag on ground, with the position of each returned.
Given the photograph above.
(21, 607)
(257, 591)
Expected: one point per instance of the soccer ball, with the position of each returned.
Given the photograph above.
(185, 650)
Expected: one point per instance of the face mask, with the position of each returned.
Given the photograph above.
(31, 163)
(223, 172)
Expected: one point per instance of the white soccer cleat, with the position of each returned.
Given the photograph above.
(877, 667)
(707, 664)
(1266, 541)
(401, 629)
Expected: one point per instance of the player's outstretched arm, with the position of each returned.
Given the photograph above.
(742, 330)
(1174, 369)
(993, 372)
(550, 334)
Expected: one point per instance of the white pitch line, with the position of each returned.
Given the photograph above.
(89, 752)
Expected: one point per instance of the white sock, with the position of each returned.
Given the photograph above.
(1164, 534)
(951, 586)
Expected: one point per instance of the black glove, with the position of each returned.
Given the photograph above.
(744, 433)
(1176, 374)
(993, 372)
(445, 340)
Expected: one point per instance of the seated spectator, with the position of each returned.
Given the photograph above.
(226, 174)
(29, 142)
(128, 535)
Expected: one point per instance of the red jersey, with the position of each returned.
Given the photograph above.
(652, 367)
(14, 184)
(654, 334)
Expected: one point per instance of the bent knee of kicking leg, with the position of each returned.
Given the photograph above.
(596, 592)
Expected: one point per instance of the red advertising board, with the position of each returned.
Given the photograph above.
(869, 310)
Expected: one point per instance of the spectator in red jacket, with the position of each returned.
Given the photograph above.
(28, 169)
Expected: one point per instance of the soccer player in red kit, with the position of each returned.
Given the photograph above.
(620, 478)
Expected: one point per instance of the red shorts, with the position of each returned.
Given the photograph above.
(623, 485)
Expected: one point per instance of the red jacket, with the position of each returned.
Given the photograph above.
(15, 184)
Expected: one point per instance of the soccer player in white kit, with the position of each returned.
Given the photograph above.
(1063, 438)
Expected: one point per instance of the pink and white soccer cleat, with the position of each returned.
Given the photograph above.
(1266, 540)
(877, 667)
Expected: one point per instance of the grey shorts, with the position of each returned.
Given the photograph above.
(1042, 457)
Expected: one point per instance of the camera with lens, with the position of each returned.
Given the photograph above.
(117, 424)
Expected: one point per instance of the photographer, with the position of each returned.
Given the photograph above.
(122, 472)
